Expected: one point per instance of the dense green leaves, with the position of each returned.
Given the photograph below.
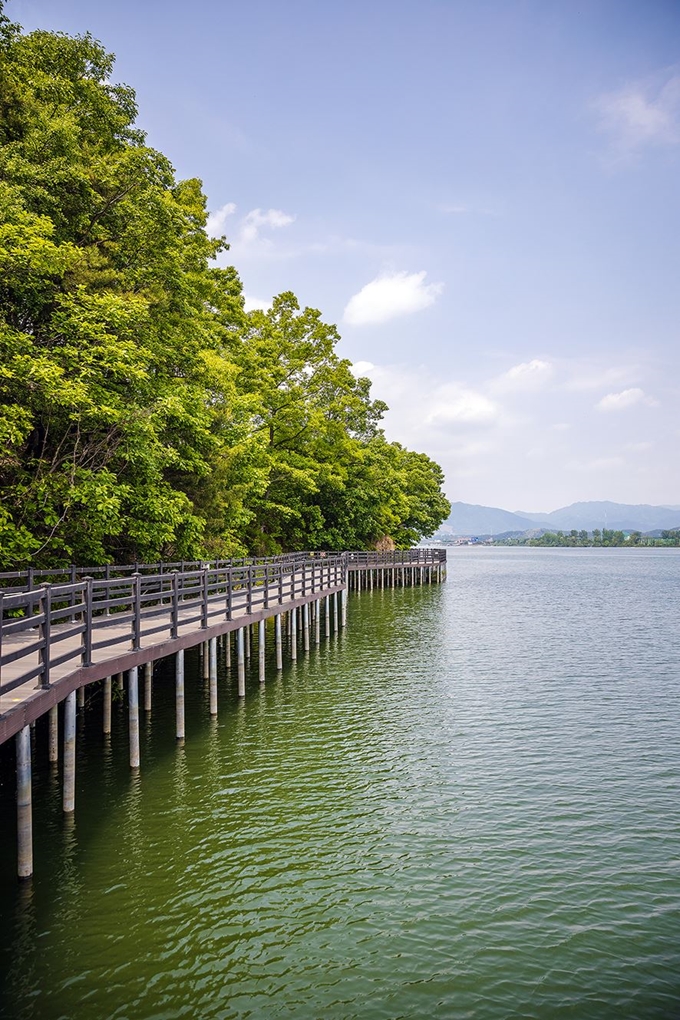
(143, 413)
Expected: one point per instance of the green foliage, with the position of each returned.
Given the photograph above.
(143, 413)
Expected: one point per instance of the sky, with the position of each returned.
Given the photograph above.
(482, 195)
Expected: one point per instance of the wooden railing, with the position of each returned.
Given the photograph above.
(57, 623)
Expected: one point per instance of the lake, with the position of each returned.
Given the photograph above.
(465, 805)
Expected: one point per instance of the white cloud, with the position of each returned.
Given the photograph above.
(529, 375)
(455, 405)
(642, 113)
(362, 368)
(626, 398)
(389, 296)
(217, 220)
(253, 222)
(252, 304)
(641, 447)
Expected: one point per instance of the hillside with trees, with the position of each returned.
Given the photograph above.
(143, 413)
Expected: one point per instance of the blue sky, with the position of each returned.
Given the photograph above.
(482, 195)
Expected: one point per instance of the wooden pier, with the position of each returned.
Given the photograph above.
(62, 630)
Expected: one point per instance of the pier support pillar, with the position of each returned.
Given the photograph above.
(261, 649)
(148, 685)
(81, 698)
(53, 734)
(335, 612)
(206, 660)
(106, 714)
(24, 804)
(133, 716)
(246, 635)
(343, 609)
(69, 791)
(327, 615)
(213, 676)
(305, 625)
(227, 650)
(317, 622)
(240, 649)
(120, 681)
(293, 635)
(179, 695)
(278, 641)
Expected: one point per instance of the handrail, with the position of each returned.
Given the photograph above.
(72, 573)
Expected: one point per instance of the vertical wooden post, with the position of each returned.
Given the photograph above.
(246, 635)
(240, 648)
(45, 611)
(227, 649)
(69, 791)
(106, 719)
(327, 600)
(148, 685)
(336, 622)
(206, 659)
(133, 716)
(343, 607)
(317, 622)
(279, 643)
(261, 649)
(24, 804)
(213, 676)
(81, 697)
(53, 734)
(137, 611)
(179, 695)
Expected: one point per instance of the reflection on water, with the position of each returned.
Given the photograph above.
(466, 805)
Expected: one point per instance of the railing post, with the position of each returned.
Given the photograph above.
(266, 586)
(280, 567)
(137, 611)
(107, 577)
(174, 610)
(204, 604)
(230, 594)
(249, 595)
(72, 581)
(45, 634)
(88, 621)
(29, 588)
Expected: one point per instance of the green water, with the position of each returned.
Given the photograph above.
(467, 805)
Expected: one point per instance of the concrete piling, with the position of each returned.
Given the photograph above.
(261, 650)
(278, 641)
(24, 804)
(213, 675)
(293, 635)
(69, 790)
(106, 715)
(148, 685)
(305, 625)
(179, 695)
(133, 716)
(240, 643)
(53, 735)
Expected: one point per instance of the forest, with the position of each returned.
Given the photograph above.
(144, 414)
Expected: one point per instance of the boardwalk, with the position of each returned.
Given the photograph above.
(62, 631)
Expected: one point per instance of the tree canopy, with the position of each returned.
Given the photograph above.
(143, 413)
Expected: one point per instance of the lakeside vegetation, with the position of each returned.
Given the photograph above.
(144, 414)
(584, 539)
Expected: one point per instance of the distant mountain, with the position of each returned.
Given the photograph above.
(471, 519)
(604, 514)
